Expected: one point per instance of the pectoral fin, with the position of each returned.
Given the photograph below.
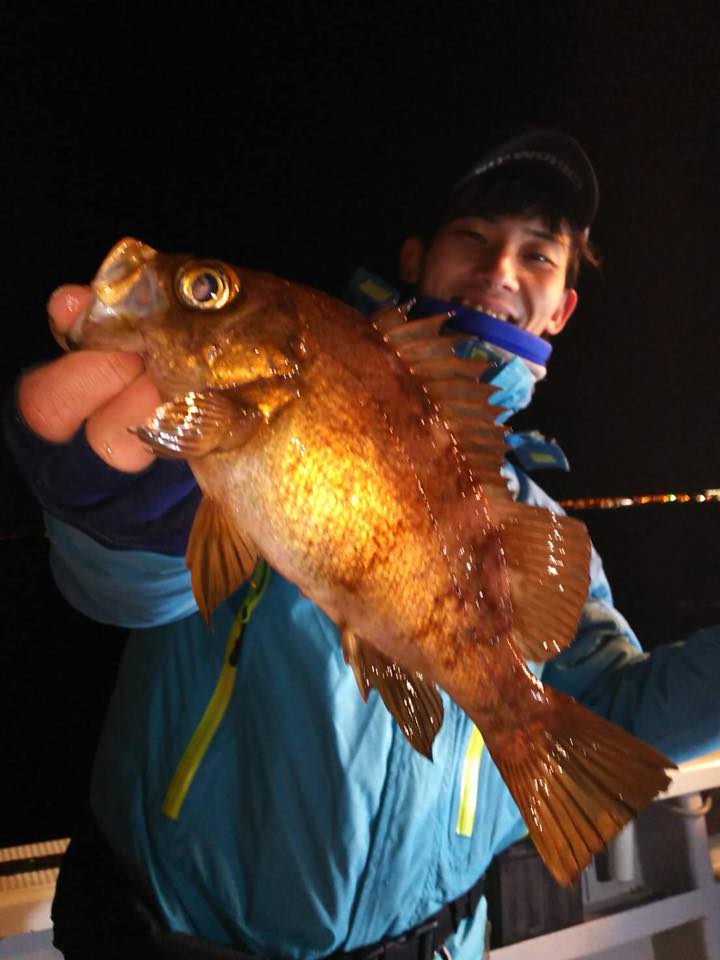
(219, 557)
(413, 701)
(196, 424)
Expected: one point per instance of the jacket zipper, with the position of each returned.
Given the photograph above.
(216, 708)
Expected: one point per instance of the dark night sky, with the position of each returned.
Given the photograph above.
(301, 137)
(301, 141)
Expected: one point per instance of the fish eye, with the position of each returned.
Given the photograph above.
(207, 285)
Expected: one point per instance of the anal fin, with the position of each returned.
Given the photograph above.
(413, 701)
(218, 556)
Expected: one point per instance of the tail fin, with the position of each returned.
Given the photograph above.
(577, 779)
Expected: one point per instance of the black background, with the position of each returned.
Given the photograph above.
(303, 138)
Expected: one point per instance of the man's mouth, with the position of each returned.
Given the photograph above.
(499, 313)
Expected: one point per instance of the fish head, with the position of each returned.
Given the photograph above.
(199, 323)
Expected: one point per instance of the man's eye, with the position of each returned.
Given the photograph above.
(537, 256)
(472, 235)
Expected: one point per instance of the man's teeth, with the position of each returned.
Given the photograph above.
(481, 308)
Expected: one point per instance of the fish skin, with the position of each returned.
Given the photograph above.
(364, 465)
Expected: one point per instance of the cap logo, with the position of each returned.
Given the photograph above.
(542, 156)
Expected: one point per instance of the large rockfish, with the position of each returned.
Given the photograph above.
(361, 460)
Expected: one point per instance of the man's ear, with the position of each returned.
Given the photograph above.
(563, 313)
(412, 252)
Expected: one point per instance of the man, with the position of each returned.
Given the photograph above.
(307, 826)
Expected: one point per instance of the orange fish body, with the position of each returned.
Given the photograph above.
(363, 463)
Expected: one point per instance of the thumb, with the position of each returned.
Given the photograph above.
(63, 308)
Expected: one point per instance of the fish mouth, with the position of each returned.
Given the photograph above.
(122, 270)
(125, 290)
(494, 310)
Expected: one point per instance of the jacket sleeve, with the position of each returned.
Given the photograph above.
(117, 539)
(668, 697)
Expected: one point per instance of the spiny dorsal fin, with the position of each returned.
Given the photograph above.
(547, 559)
(445, 368)
(420, 350)
(413, 701)
(406, 331)
(390, 316)
(458, 391)
(454, 386)
(219, 558)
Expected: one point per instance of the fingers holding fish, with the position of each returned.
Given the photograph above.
(109, 429)
(55, 399)
(107, 391)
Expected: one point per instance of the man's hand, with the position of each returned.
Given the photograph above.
(108, 390)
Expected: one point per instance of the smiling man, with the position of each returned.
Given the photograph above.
(513, 235)
(311, 828)
(512, 268)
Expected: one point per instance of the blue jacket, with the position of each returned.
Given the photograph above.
(310, 824)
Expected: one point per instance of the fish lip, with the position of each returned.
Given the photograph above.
(99, 327)
(121, 270)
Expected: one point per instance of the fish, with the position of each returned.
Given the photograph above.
(360, 458)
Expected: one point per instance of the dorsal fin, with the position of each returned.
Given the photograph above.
(455, 391)
(406, 331)
(547, 558)
(443, 368)
(454, 386)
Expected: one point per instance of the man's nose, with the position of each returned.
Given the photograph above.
(498, 264)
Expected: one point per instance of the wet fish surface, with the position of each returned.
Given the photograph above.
(362, 461)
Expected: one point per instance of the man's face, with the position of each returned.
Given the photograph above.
(512, 267)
